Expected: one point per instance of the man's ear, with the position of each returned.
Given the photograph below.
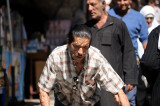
(104, 2)
(67, 40)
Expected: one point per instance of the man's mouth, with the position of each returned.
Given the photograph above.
(79, 57)
(92, 13)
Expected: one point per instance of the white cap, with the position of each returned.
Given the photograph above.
(108, 1)
(149, 15)
(147, 11)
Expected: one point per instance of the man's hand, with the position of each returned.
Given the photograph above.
(121, 98)
(129, 87)
(117, 99)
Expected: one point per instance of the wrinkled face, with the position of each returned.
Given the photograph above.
(95, 8)
(79, 48)
(149, 20)
(123, 4)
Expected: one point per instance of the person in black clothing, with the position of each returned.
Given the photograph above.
(150, 65)
(110, 35)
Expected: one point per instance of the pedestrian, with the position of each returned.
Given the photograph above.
(76, 70)
(149, 14)
(111, 37)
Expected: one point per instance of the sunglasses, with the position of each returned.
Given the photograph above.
(75, 82)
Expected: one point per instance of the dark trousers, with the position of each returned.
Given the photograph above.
(107, 99)
(141, 91)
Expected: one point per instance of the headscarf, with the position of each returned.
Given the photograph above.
(148, 11)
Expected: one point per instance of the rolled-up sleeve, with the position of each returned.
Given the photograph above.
(109, 79)
(48, 76)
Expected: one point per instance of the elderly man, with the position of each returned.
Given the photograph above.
(75, 70)
(111, 37)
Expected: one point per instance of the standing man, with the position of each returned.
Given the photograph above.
(111, 36)
(74, 71)
(137, 28)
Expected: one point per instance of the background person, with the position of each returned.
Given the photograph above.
(149, 14)
(111, 37)
(150, 64)
(137, 28)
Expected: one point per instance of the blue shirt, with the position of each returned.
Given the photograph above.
(136, 24)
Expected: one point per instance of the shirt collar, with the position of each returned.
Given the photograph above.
(109, 21)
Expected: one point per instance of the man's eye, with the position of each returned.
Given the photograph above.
(86, 47)
(92, 4)
(76, 46)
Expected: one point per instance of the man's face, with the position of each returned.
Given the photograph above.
(123, 4)
(149, 20)
(95, 9)
(151, 3)
(79, 48)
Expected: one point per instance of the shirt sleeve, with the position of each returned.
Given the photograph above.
(129, 57)
(109, 79)
(48, 76)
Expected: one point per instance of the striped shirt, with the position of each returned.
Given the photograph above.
(59, 73)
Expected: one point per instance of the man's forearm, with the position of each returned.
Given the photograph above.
(123, 98)
(44, 98)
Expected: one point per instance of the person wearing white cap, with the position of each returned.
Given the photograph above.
(149, 14)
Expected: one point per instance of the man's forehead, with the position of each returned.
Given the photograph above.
(92, 1)
(81, 41)
(122, 0)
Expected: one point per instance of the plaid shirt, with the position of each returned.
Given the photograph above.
(59, 72)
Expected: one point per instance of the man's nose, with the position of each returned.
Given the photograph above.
(80, 51)
(89, 8)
